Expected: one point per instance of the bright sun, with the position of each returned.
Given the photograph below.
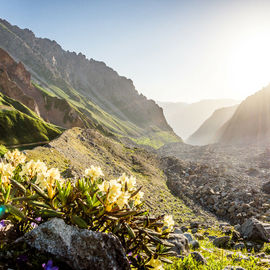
(249, 62)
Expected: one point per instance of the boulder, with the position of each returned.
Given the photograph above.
(180, 243)
(253, 229)
(222, 242)
(81, 249)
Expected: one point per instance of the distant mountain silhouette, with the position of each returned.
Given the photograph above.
(206, 134)
(186, 118)
(251, 121)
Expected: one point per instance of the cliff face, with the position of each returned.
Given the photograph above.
(251, 121)
(206, 134)
(15, 82)
(81, 80)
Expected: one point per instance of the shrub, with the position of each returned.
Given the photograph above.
(30, 194)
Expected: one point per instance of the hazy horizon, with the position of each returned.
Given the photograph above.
(172, 50)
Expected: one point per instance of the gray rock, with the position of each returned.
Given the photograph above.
(180, 243)
(199, 236)
(266, 187)
(197, 256)
(239, 246)
(211, 237)
(194, 244)
(221, 242)
(189, 237)
(79, 248)
(253, 229)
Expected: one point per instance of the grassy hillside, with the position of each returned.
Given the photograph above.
(20, 125)
(76, 149)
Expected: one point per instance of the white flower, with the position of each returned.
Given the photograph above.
(131, 183)
(6, 171)
(15, 157)
(137, 198)
(104, 186)
(93, 172)
(114, 191)
(32, 168)
(169, 222)
(156, 264)
(52, 176)
(122, 199)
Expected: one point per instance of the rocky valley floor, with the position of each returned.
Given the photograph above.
(207, 190)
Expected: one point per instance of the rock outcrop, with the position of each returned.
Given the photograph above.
(15, 82)
(253, 229)
(80, 248)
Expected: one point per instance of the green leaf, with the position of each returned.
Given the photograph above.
(50, 213)
(15, 212)
(40, 204)
(40, 191)
(130, 231)
(79, 221)
(7, 194)
(18, 185)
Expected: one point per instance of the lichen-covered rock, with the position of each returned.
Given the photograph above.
(253, 229)
(81, 249)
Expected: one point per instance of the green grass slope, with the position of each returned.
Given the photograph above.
(20, 125)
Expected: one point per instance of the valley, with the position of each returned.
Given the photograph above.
(157, 185)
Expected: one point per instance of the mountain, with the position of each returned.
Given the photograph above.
(20, 125)
(185, 118)
(207, 131)
(251, 121)
(88, 90)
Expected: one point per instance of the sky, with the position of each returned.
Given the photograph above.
(172, 50)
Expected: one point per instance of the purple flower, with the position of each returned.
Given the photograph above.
(33, 225)
(2, 224)
(49, 266)
(38, 219)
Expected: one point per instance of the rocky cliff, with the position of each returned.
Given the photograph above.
(15, 82)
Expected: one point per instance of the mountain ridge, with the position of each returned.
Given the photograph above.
(94, 89)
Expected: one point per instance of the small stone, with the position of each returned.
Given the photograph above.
(239, 246)
(195, 244)
(197, 256)
(199, 236)
(189, 237)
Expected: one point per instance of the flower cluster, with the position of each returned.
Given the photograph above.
(15, 157)
(168, 223)
(46, 178)
(119, 192)
(31, 193)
